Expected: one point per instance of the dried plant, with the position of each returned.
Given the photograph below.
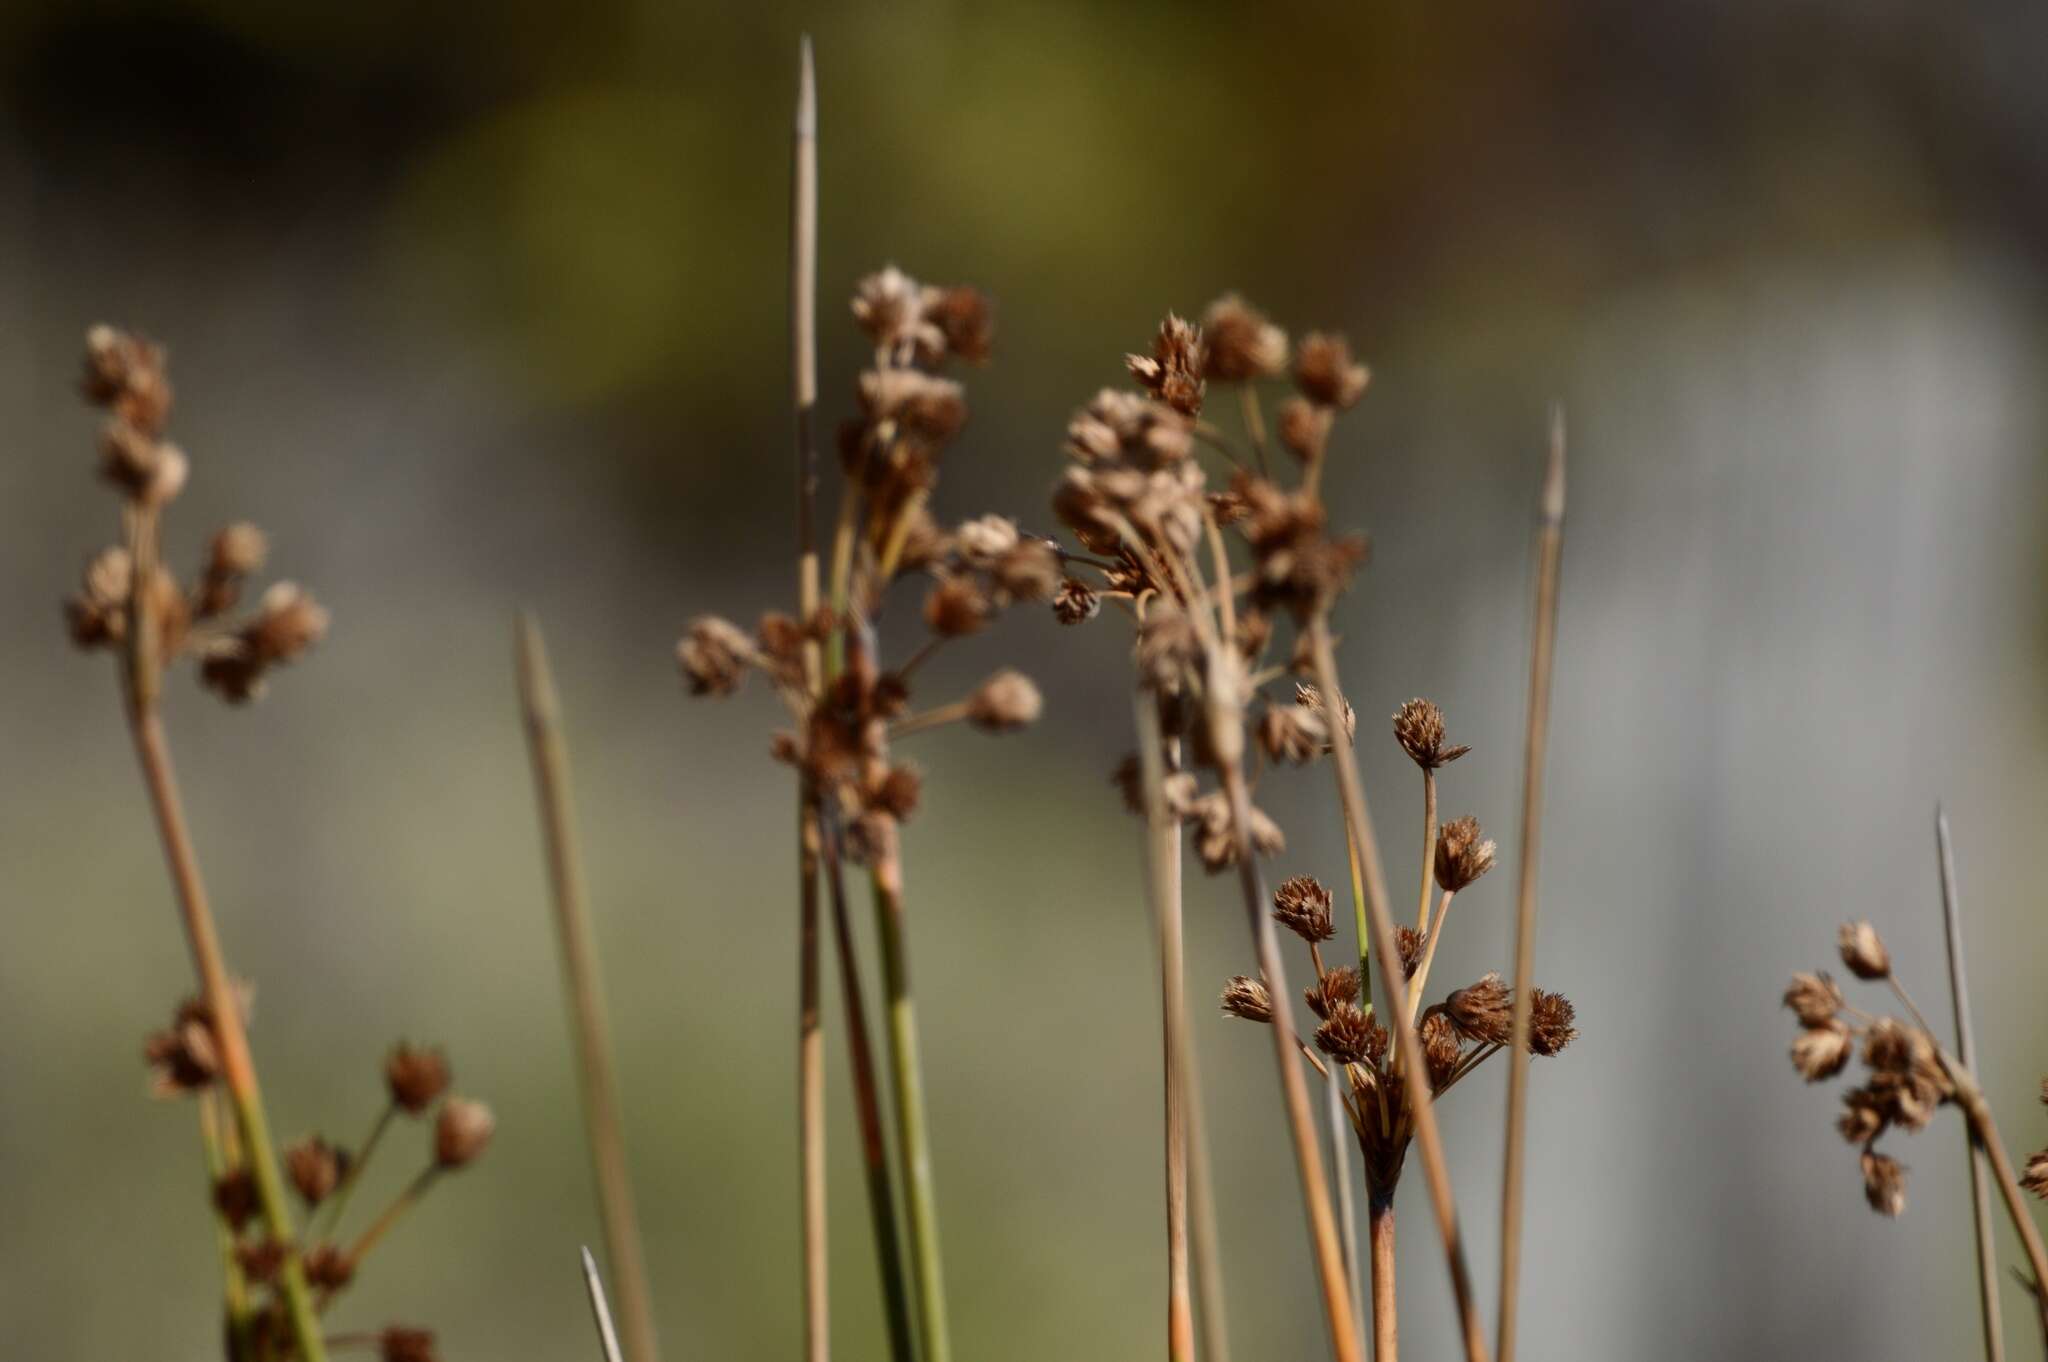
(1137, 497)
(277, 1281)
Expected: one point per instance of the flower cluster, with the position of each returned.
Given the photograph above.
(183, 1061)
(127, 587)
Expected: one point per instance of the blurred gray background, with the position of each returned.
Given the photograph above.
(474, 313)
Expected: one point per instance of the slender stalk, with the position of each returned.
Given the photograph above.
(400, 1204)
(1984, 1131)
(1308, 1157)
(936, 717)
(327, 1220)
(803, 341)
(1386, 1332)
(234, 1286)
(584, 985)
(1966, 1050)
(1211, 1324)
(914, 1139)
(1401, 1019)
(868, 1107)
(1334, 1083)
(1429, 943)
(600, 1310)
(1549, 549)
(1428, 848)
(1163, 881)
(237, 1069)
(1254, 423)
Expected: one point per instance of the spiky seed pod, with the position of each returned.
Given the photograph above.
(1481, 1010)
(983, 540)
(1075, 603)
(1346, 1035)
(2035, 1176)
(956, 607)
(328, 1266)
(1409, 943)
(234, 1196)
(1863, 951)
(1463, 854)
(1553, 1022)
(1814, 998)
(1005, 701)
(1302, 905)
(1247, 998)
(714, 655)
(1820, 1052)
(316, 1168)
(1240, 344)
(416, 1076)
(1304, 429)
(965, 320)
(1862, 1119)
(1419, 728)
(1884, 1184)
(260, 1259)
(183, 1057)
(1028, 572)
(1440, 1049)
(462, 1131)
(1326, 373)
(1172, 373)
(398, 1344)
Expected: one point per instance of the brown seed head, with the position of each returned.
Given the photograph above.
(398, 1344)
(260, 1258)
(2034, 1177)
(288, 622)
(1820, 1052)
(183, 1057)
(1304, 429)
(965, 321)
(1172, 373)
(1481, 1011)
(1884, 1184)
(98, 614)
(1863, 1118)
(889, 306)
(897, 792)
(328, 1266)
(1409, 943)
(1302, 905)
(983, 540)
(1440, 1049)
(126, 373)
(1325, 372)
(237, 550)
(925, 409)
(1462, 854)
(1419, 728)
(955, 607)
(714, 655)
(1339, 985)
(1240, 343)
(316, 1168)
(416, 1076)
(1346, 1036)
(462, 1131)
(1028, 572)
(234, 1196)
(1075, 603)
(1005, 701)
(1863, 951)
(1216, 833)
(1814, 998)
(1553, 1022)
(1247, 998)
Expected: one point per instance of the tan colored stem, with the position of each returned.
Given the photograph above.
(1984, 1131)
(1414, 1073)
(1428, 849)
(1163, 881)
(1549, 549)
(1301, 1122)
(937, 717)
(1386, 1333)
(583, 983)
(1436, 934)
(1211, 1322)
(381, 1226)
(1966, 1050)
(803, 342)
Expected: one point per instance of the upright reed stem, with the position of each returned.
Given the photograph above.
(1401, 1017)
(584, 984)
(1549, 548)
(1163, 881)
(1212, 1324)
(600, 1310)
(237, 1069)
(874, 1149)
(1966, 1050)
(1386, 1331)
(913, 1137)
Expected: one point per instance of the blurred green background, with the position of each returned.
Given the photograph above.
(475, 309)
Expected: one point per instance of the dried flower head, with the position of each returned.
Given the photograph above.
(398, 1344)
(1481, 1011)
(1553, 1022)
(1005, 701)
(462, 1131)
(1075, 603)
(1247, 998)
(1463, 854)
(1172, 373)
(1336, 986)
(1028, 572)
(1862, 1119)
(329, 1266)
(1440, 1049)
(1863, 951)
(1346, 1036)
(714, 655)
(183, 1057)
(1302, 905)
(1820, 1052)
(1304, 429)
(316, 1168)
(234, 1196)
(1240, 343)
(126, 374)
(1814, 998)
(1409, 943)
(416, 1076)
(965, 320)
(1419, 728)
(260, 1258)
(2034, 1177)
(1884, 1184)
(956, 606)
(1216, 832)
(1326, 373)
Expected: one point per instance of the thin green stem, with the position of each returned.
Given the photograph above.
(327, 1220)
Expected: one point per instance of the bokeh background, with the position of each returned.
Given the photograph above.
(479, 309)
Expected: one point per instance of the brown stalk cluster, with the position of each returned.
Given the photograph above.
(276, 1281)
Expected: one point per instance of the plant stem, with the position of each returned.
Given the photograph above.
(1163, 881)
(914, 1140)
(803, 340)
(1212, 1326)
(1386, 1332)
(868, 1107)
(1549, 549)
(237, 1069)
(1254, 422)
(327, 1220)
(404, 1201)
(584, 984)
(1966, 1050)
(1334, 1083)
(600, 1309)
(1308, 1158)
(1984, 1131)
(1436, 933)
(1428, 848)
(810, 1101)
(234, 1286)
(1401, 1021)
